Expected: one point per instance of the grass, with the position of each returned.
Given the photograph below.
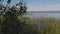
(52, 28)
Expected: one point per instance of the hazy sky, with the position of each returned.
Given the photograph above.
(41, 5)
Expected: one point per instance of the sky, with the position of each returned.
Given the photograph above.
(43, 5)
(40, 5)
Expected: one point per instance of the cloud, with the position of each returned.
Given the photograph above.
(48, 6)
(54, 7)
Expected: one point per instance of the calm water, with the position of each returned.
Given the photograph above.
(35, 14)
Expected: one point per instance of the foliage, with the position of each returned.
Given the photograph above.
(12, 22)
(52, 27)
(27, 25)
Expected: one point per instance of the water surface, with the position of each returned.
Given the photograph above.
(35, 14)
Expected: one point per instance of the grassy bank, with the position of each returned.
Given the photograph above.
(52, 28)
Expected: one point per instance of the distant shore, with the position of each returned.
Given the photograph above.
(43, 11)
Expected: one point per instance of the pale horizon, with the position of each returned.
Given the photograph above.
(43, 5)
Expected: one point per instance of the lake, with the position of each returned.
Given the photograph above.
(35, 14)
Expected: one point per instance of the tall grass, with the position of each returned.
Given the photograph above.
(52, 28)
